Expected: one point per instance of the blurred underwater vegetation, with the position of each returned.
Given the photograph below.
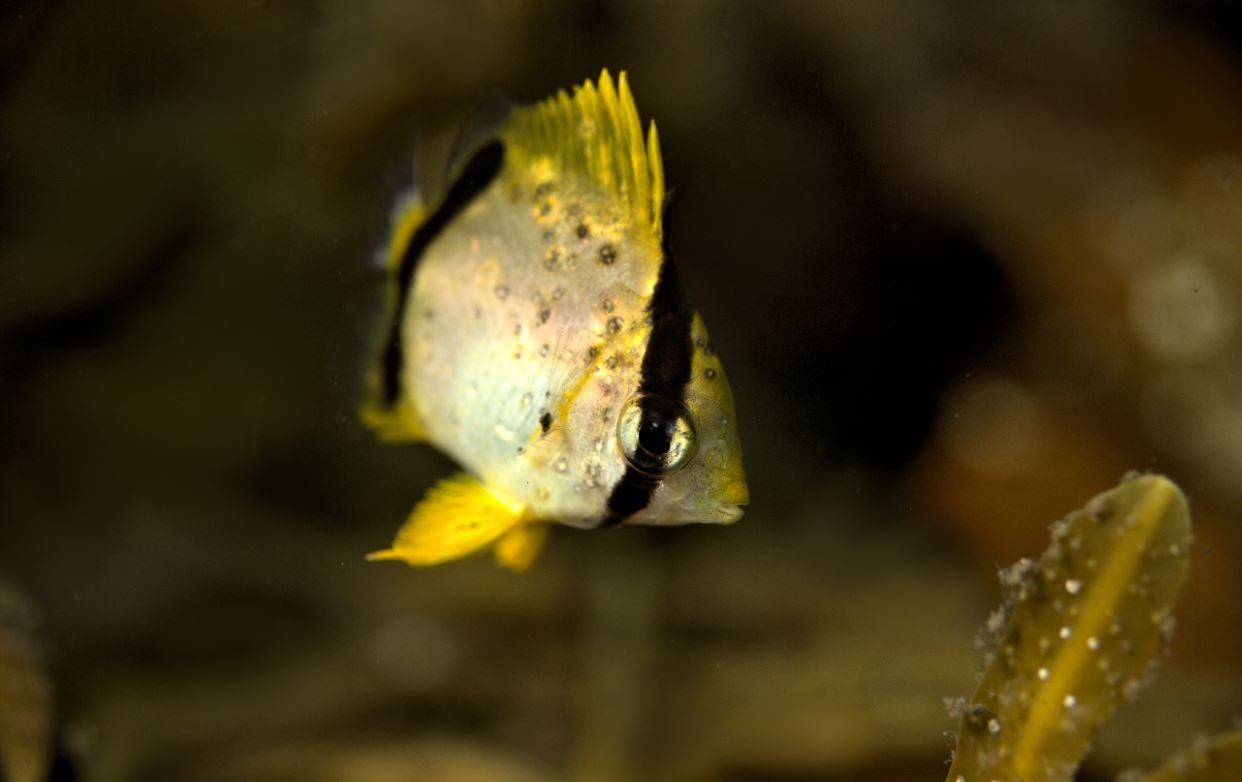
(1079, 634)
(967, 263)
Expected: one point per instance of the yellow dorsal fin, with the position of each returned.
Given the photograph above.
(459, 516)
(595, 134)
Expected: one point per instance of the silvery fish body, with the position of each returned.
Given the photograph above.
(540, 335)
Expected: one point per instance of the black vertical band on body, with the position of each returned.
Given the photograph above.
(479, 172)
(664, 375)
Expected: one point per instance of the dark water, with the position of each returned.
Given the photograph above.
(966, 264)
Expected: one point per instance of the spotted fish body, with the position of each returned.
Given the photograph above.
(540, 336)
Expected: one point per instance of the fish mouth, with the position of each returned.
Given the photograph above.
(728, 513)
(734, 492)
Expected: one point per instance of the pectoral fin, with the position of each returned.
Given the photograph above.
(459, 516)
(520, 546)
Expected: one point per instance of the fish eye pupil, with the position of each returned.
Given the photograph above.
(656, 436)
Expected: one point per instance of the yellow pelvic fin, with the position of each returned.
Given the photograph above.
(398, 423)
(458, 516)
(520, 546)
(595, 135)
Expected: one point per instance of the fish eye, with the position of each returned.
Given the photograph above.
(656, 434)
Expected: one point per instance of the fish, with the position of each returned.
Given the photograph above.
(539, 333)
(25, 694)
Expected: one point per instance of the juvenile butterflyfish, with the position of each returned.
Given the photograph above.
(539, 334)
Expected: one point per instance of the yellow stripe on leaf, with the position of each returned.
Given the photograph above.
(1084, 626)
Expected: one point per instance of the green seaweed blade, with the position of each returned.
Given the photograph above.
(1079, 633)
(1211, 760)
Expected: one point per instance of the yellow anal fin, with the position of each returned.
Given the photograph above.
(398, 423)
(520, 546)
(459, 516)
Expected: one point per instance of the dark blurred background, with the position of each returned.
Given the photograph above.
(966, 264)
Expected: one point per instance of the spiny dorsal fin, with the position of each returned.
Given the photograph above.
(596, 134)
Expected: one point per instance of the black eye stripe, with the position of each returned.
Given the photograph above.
(665, 373)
